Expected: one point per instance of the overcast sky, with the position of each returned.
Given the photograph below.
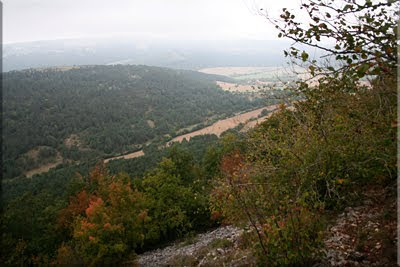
(32, 20)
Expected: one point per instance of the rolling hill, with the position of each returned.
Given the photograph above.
(92, 111)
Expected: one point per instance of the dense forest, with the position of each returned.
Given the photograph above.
(93, 111)
(288, 181)
(173, 184)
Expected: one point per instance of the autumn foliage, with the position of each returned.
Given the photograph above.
(106, 224)
(314, 157)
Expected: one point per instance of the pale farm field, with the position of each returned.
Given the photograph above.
(233, 87)
(233, 71)
(217, 128)
(127, 156)
(222, 125)
(43, 168)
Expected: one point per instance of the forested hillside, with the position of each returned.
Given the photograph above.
(169, 186)
(91, 111)
(312, 185)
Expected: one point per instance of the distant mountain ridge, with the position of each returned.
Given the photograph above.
(174, 54)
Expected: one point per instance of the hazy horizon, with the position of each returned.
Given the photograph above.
(44, 20)
(174, 33)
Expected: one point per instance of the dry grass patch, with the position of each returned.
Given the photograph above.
(234, 87)
(151, 123)
(232, 71)
(127, 156)
(222, 125)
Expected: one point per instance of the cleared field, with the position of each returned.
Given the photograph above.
(127, 156)
(233, 87)
(254, 123)
(221, 126)
(234, 71)
(255, 73)
(73, 140)
(59, 68)
(45, 167)
(217, 128)
(255, 79)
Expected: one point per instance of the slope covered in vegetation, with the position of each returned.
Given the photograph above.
(98, 110)
(302, 165)
(289, 179)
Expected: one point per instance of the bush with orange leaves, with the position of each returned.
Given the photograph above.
(108, 223)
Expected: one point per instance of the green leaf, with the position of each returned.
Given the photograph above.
(361, 71)
(304, 56)
(312, 69)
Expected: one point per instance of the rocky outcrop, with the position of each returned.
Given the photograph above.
(364, 235)
(197, 252)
